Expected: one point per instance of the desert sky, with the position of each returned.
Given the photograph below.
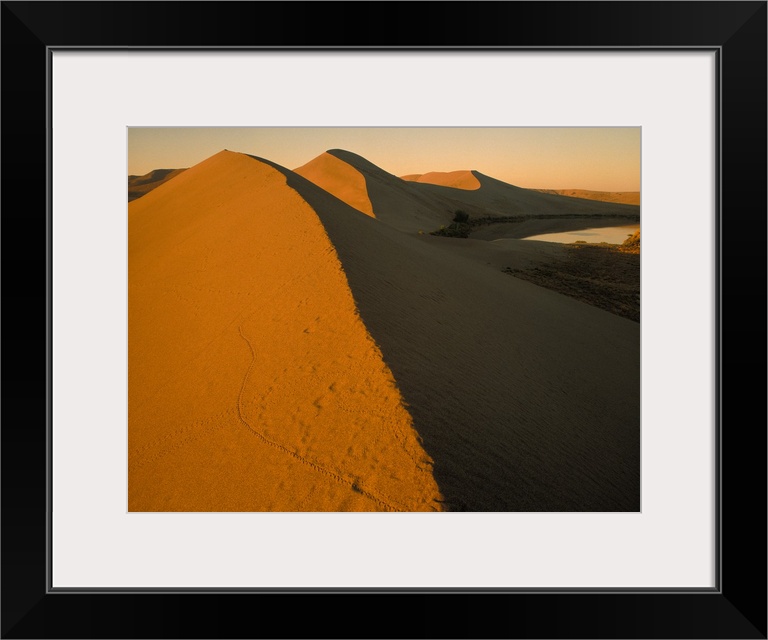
(592, 158)
(298, 341)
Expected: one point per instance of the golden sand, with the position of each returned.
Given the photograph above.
(253, 383)
(456, 179)
(339, 178)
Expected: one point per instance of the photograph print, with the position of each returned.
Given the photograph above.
(384, 319)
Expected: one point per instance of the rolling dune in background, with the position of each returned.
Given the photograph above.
(139, 186)
(412, 206)
(455, 179)
(623, 197)
(340, 179)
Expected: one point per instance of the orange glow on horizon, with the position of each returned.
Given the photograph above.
(593, 158)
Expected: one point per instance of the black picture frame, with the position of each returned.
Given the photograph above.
(736, 608)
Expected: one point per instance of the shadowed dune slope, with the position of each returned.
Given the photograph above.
(340, 179)
(455, 179)
(141, 185)
(253, 383)
(526, 400)
(399, 203)
(410, 206)
(500, 254)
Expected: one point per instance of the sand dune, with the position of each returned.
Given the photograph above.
(412, 206)
(253, 383)
(455, 179)
(419, 202)
(392, 200)
(625, 197)
(290, 352)
(340, 179)
(141, 185)
(525, 399)
(498, 198)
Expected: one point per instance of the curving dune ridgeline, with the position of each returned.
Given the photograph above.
(253, 383)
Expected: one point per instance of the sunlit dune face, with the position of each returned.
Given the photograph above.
(456, 179)
(339, 178)
(253, 383)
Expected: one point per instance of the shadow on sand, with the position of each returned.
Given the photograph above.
(525, 400)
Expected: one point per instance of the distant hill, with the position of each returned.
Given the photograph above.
(622, 197)
(424, 204)
(141, 185)
(455, 179)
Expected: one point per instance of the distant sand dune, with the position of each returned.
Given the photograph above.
(455, 179)
(625, 197)
(412, 206)
(141, 185)
(253, 383)
(340, 179)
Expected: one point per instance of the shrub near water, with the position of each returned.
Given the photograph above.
(631, 244)
(459, 228)
(601, 274)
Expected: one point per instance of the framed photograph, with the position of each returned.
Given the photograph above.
(327, 345)
(371, 334)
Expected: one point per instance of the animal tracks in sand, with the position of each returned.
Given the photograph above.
(384, 501)
(254, 384)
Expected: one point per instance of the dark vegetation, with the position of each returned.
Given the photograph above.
(477, 222)
(462, 224)
(603, 275)
(631, 244)
(459, 228)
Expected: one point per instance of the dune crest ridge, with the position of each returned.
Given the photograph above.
(525, 399)
(340, 179)
(413, 206)
(465, 180)
(253, 383)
